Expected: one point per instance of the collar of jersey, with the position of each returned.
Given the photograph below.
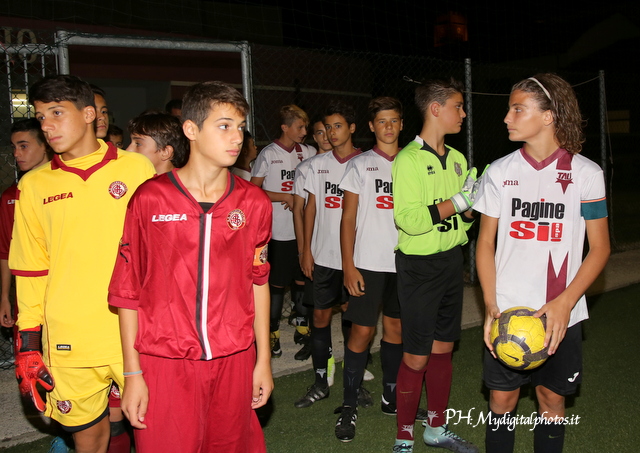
(109, 151)
(381, 153)
(561, 155)
(295, 146)
(177, 182)
(342, 160)
(425, 146)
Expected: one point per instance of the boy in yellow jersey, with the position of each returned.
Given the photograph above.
(69, 218)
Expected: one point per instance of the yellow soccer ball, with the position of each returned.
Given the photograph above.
(518, 338)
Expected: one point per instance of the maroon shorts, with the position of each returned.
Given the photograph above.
(200, 406)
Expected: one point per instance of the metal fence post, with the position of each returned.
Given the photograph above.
(468, 106)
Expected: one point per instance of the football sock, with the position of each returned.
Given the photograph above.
(408, 393)
(120, 442)
(498, 437)
(390, 356)
(277, 298)
(320, 352)
(438, 385)
(297, 294)
(354, 365)
(548, 437)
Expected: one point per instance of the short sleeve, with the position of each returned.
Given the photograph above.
(261, 266)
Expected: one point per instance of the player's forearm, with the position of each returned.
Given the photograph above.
(348, 229)
(414, 219)
(277, 196)
(261, 324)
(128, 331)
(485, 259)
(298, 221)
(5, 280)
(309, 221)
(31, 292)
(594, 262)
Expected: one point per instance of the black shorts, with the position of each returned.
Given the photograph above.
(307, 301)
(328, 288)
(285, 266)
(430, 290)
(561, 373)
(381, 290)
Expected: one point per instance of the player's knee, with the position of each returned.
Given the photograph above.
(442, 347)
(392, 330)
(503, 402)
(415, 362)
(321, 318)
(550, 403)
(360, 337)
(94, 439)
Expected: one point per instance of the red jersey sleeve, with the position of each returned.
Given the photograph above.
(125, 285)
(7, 211)
(261, 266)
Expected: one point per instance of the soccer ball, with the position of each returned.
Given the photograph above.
(517, 338)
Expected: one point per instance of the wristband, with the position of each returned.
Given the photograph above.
(131, 373)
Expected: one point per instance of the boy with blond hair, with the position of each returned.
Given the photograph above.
(274, 171)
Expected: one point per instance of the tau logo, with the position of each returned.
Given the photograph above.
(564, 179)
(168, 217)
(510, 182)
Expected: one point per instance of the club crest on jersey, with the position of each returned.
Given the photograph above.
(457, 168)
(117, 189)
(236, 219)
(115, 391)
(564, 179)
(64, 406)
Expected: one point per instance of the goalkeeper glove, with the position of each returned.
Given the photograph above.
(30, 368)
(464, 199)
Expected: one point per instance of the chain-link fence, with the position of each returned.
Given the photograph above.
(311, 78)
(28, 56)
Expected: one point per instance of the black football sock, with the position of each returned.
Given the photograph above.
(298, 298)
(499, 438)
(277, 298)
(354, 365)
(548, 437)
(320, 353)
(391, 357)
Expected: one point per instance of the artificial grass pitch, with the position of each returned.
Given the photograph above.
(606, 404)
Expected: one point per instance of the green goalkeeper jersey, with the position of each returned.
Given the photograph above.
(422, 178)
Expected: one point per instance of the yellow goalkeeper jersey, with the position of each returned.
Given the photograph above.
(68, 223)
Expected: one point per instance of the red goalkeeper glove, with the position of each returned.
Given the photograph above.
(30, 369)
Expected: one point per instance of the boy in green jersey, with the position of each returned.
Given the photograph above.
(433, 191)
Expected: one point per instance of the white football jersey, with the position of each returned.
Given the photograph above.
(276, 165)
(300, 178)
(323, 179)
(542, 208)
(369, 176)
